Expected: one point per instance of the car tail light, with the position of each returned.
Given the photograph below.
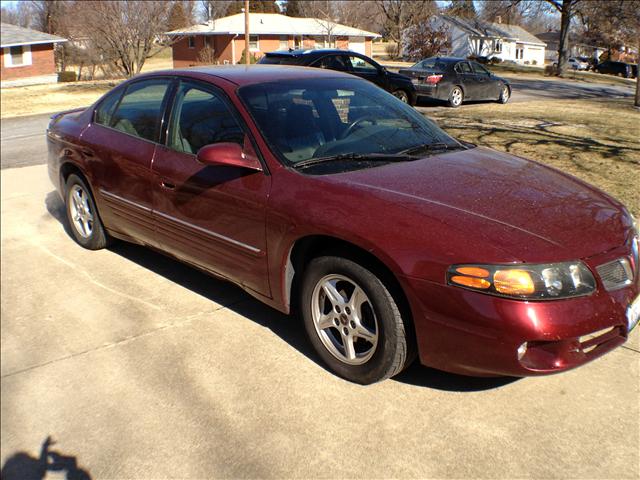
(433, 79)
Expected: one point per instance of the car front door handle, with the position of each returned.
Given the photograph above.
(167, 185)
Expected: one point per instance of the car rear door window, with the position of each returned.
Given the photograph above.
(463, 67)
(140, 109)
(479, 69)
(333, 62)
(201, 117)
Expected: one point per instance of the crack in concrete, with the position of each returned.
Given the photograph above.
(93, 280)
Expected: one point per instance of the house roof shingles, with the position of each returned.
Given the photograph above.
(493, 30)
(272, 24)
(12, 36)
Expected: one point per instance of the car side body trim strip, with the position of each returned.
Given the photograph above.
(124, 200)
(219, 236)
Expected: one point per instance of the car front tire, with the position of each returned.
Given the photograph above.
(401, 95)
(456, 96)
(82, 215)
(353, 321)
(505, 94)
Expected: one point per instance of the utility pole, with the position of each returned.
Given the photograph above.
(246, 32)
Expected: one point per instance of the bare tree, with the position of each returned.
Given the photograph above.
(614, 24)
(399, 15)
(212, 9)
(124, 33)
(425, 40)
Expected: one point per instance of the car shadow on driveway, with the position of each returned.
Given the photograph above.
(284, 326)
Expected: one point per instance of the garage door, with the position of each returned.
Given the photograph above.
(356, 44)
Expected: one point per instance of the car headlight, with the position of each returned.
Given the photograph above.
(545, 281)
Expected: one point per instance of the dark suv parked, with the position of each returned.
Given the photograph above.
(616, 68)
(348, 62)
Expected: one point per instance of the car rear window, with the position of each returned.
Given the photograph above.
(279, 60)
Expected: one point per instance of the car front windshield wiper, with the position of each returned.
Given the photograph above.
(431, 147)
(368, 157)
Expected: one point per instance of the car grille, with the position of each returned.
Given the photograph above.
(616, 274)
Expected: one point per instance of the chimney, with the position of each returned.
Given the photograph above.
(499, 19)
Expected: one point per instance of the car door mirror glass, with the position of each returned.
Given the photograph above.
(228, 154)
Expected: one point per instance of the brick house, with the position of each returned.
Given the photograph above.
(27, 56)
(222, 41)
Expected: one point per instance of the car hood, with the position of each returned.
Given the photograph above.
(533, 212)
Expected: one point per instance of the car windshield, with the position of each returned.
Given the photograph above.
(305, 119)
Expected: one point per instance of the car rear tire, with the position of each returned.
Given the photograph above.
(456, 96)
(353, 321)
(505, 94)
(82, 214)
(401, 95)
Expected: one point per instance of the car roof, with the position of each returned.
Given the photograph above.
(445, 59)
(250, 74)
(303, 52)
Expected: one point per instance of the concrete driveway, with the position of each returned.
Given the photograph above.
(140, 367)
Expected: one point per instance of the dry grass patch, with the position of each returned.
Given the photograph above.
(56, 97)
(595, 140)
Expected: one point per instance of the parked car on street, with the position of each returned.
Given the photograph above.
(456, 80)
(321, 194)
(615, 68)
(349, 62)
(577, 64)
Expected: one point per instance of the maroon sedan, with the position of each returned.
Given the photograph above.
(318, 192)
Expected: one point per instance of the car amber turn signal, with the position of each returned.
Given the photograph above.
(529, 282)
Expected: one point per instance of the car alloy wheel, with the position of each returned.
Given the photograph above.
(344, 319)
(83, 216)
(81, 212)
(401, 95)
(455, 99)
(504, 94)
(353, 321)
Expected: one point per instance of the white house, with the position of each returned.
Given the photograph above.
(471, 37)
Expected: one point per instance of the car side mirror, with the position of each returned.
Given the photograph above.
(228, 154)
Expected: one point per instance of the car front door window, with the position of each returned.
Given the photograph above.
(334, 62)
(360, 65)
(200, 117)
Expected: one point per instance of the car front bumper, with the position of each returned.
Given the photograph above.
(471, 333)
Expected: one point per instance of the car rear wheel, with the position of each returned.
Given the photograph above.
(505, 94)
(455, 97)
(83, 216)
(401, 95)
(353, 321)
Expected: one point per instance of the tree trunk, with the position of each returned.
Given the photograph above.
(637, 102)
(563, 45)
(247, 60)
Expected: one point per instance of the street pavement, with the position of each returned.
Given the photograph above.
(137, 366)
(23, 138)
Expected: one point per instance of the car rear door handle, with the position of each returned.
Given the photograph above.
(167, 185)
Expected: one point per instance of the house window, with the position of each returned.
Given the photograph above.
(192, 42)
(254, 44)
(284, 42)
(498, 48)
(519, 52)
(18, 56)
